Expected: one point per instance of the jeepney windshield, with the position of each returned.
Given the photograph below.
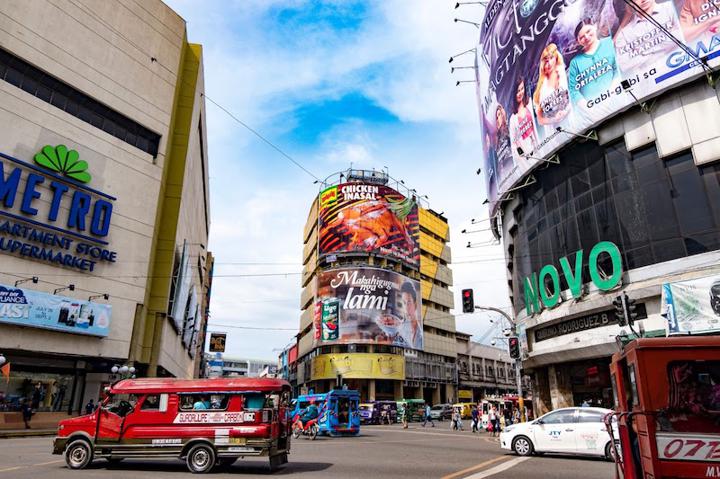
(120, 404)
(693, 403)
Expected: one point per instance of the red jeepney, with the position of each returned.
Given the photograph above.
(207, 422)
(667, 404)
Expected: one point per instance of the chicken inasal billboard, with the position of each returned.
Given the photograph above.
(360, 217)
(547, 69)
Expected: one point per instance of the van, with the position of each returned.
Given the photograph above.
(206, 422)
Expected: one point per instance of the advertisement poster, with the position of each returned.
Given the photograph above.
(692, 306)
(358, 366)
(546, 70)
(369, 218)
(372, 306)
(33, 309)
(183, 281)
(217, 342)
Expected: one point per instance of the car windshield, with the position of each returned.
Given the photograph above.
(365, 407)
(438, 408)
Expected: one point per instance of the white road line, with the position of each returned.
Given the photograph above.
(497, 469)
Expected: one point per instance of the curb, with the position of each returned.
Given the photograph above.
(27, 433)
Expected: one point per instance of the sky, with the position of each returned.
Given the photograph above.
(332, 84)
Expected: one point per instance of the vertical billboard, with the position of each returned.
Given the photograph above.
(369, 305)
(548, 69)
(360, 217)
(217, 342)
(25, 307)
(692, 306)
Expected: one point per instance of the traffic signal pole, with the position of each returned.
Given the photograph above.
(518, 361)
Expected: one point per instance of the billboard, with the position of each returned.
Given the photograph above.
(369, 305)
(217, 342)
(360, 217)
(546, 68)
(24, 307)
(692, 306)
(358, 366)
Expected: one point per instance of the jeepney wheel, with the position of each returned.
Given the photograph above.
(78, 454)
(522, 446)
(201, 459)
(314, 429)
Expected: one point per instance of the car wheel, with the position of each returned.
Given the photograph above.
(200, 459)
(522, 446)
(610, 452)
(78, 454)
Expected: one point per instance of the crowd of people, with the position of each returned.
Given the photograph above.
(496, 421)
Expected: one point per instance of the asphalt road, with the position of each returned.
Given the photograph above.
(379, 452)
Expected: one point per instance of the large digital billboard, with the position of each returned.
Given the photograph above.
(368, 305)
(362, 217)
(552, 68)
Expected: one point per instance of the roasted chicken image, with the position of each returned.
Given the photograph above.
(371, 225)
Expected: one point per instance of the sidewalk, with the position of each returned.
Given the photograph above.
(42, 424)
(12, 433)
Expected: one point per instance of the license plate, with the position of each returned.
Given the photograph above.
(239, 441)
(241, 449)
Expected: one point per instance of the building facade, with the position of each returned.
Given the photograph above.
(376, 300)
(483, 371)
(225, 366)
(105, 198)
(601, 138)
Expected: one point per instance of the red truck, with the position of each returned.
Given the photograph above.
(206, 422)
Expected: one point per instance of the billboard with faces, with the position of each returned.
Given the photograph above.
(548, 69)
(368, 305)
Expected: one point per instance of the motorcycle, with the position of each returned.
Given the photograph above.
(309, 429)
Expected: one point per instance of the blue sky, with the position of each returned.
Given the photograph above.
(332, 84)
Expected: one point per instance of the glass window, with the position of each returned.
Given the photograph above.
(693, 397)
(151, 403)
(200, 402)
(559, 417)
(120, 404)
(590, 416)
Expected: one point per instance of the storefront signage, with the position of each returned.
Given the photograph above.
(692, 306)
(550, 296)
(53, 216)
(358, 366)
(24, 307)
(583, 323)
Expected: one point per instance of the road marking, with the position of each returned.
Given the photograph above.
(499, 468)
(11, 469)
(31, 465)
(462, 473)
(49, 462)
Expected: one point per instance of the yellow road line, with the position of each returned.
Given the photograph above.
(11, 469)
(7, 469)
(464, 472)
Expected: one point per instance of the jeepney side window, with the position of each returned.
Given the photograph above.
(272, 401)
(693, 403)
(253, 401)
(216, 402)
(155, 403)
(633, 387)
(613, 383)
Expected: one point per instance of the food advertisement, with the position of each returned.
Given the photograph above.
(547, 70)
(369, 305)
(359, 217)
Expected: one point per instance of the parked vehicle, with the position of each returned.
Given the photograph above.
(339, 411)
(465, 409)
(573, 430)
(387, 412)
(368, 413)
(441, 412)
(667, 403)
(206, 422)
(414, 408)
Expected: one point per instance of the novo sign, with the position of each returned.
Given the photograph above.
(549, 277)
(48, 213)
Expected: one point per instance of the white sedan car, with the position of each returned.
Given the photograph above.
(573, 430)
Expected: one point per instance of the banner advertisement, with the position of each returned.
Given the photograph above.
(370, 305)
(358, 366)
(217, 342)
(692, 306)
(359, 217)
(546, 70)
(183, 281)
(24, 307)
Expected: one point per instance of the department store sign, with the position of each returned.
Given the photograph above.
(24, 307)
(582, 323)
(49, 213)
(549, 277)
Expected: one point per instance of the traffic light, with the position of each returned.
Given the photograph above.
(630, 310)
(468, 303)
(619, 311)
(514, 346)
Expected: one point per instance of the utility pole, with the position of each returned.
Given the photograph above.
(518, 361)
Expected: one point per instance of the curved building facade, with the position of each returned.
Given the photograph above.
(376, 300)
(604, 181)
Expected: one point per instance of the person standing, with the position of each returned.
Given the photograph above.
(27, 412)
(404, 415)
(493, 420)
(475, 414)
(428, 417)
(90, 406)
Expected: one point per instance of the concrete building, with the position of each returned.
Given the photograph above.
(483, 371)
(105, 187)
(378, 360)
(226, 366)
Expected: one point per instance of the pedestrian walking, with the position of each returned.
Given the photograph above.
(493, 420)
(27, 412)
(404, 416)
(428, 417)
(475, 415)
(457, 419)
(516, 416)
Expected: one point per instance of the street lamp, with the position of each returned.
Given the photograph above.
(71, 287)
(125, 371)
(2, 359)
(34, 279)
